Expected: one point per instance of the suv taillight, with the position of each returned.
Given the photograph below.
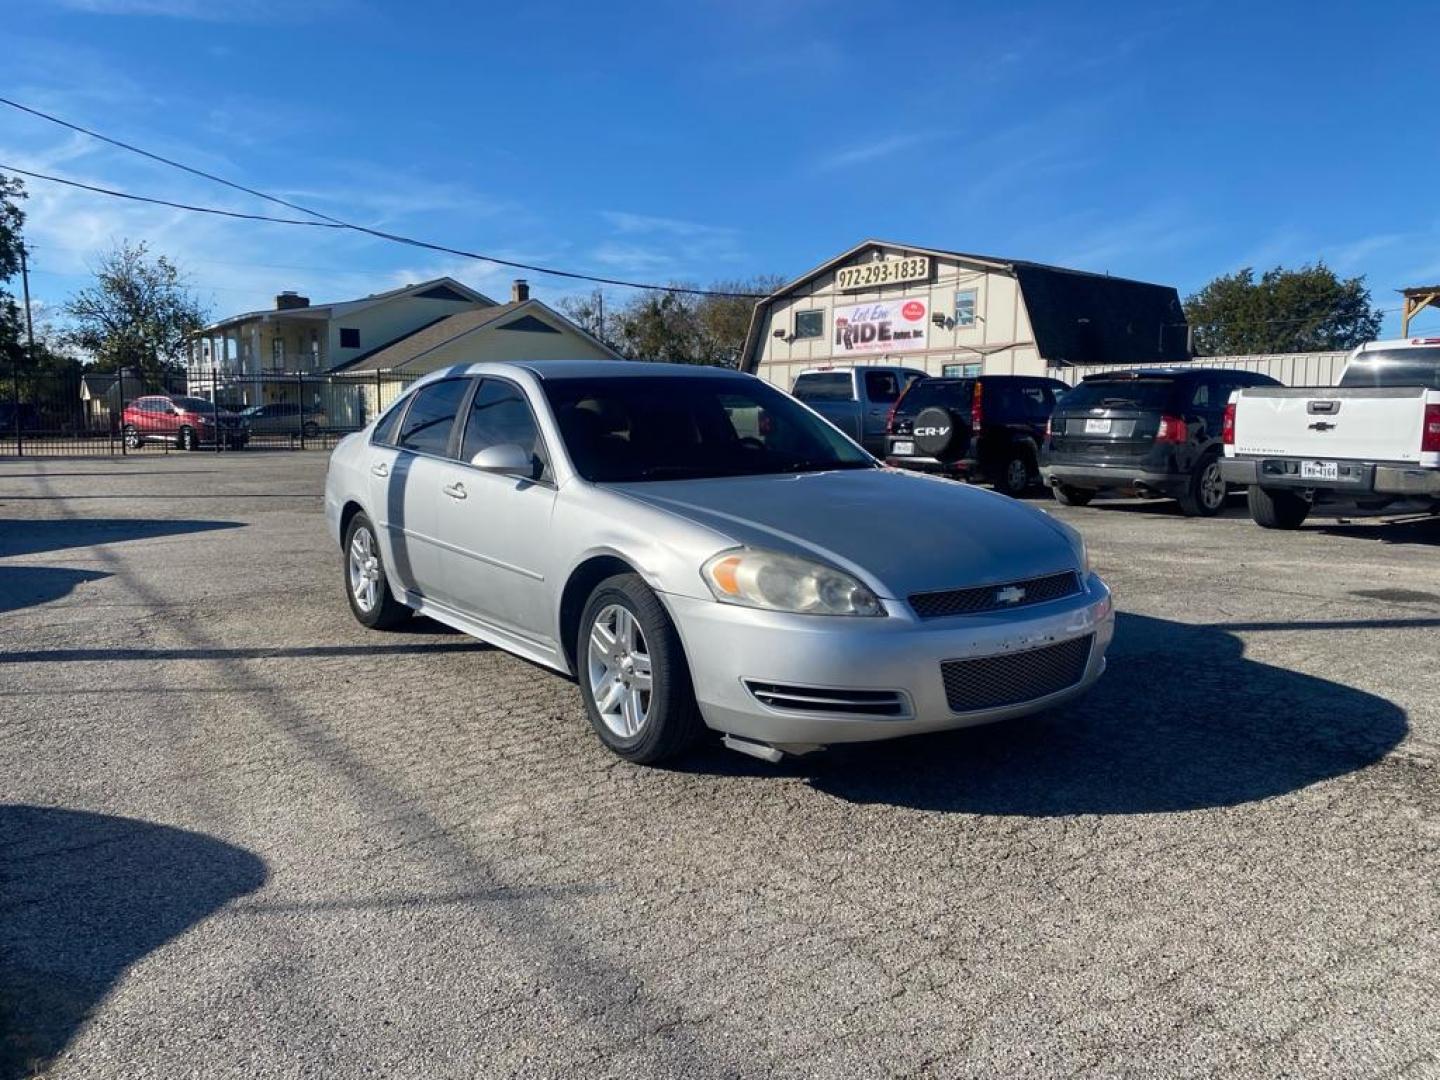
(1227, 425)
(977, 411)
(1430, 432)
(1172, 430)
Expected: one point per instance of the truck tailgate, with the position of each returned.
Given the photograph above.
(1349, 423)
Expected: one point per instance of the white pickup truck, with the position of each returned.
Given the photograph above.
(1374, 438)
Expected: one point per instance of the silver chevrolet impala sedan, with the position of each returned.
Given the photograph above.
(699, 550)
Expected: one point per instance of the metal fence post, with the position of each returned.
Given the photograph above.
(300, 406)
(215, 405)
(124, 449)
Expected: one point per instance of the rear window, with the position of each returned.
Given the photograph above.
(1119, 394)
(922, 395)
(824, 386)
(1394, 367)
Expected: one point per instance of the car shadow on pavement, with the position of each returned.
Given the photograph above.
(84, 897)
(1180, 721)
(1409, 530)
(28, 536)
(26, 586)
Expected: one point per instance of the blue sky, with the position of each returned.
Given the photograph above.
(722, 138)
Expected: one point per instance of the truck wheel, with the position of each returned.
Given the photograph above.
(1276, 509)
(131, 435)
(1066, 495)
(1204, 495)
(187, 438)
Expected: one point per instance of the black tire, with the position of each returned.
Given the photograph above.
(1014, 473)
(131, 434)
(385, 612)
(1201, 497)
(1066, 495)
(1276, 509)
(186, 439)
(309, 429)
(671, 723)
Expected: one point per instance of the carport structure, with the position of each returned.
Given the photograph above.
(1417, 299)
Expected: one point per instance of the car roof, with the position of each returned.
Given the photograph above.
(1167, 373)
(591, 369)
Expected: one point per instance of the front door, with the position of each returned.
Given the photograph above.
(495, 529)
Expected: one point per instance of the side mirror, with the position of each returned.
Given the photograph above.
(506, 459)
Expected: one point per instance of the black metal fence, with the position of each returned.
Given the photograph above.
(129, 413)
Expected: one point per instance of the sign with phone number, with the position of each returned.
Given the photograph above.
(885, 272)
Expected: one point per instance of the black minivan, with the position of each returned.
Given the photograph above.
(1153, 432)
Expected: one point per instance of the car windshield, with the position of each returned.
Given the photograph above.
(251, 410)
(670, 427)
(929, 392)
(1118, 394)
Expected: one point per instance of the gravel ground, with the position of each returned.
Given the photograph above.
(241, 836)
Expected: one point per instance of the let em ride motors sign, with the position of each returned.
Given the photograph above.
(883, 326)
(870, 275)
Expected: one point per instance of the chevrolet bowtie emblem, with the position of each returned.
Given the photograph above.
(1011, 594)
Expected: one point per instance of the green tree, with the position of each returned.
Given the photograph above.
(12, 221)
(137, 314)
(1306, 310)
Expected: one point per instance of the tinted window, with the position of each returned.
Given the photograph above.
(1119, 394)
(431, 416)
(1202, 396)
(954, 393)
(1035, 401)
(824, 386)
(389, 424)
(1394, 367)
(620, 428)
(193, 404)
(881, 386)
(349, 338)
(499, 415)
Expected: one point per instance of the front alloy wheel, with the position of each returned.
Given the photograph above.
(367, 587)
(132, 437)
(633, 675)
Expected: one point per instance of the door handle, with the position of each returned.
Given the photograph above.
(380, 470)
(455, 490)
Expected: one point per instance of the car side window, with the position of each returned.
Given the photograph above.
(1201, 399)
(500, 415)
(431, 416)
(881, 387)
(1036, 401)
(389, 424)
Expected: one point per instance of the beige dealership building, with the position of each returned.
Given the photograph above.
(951, 313)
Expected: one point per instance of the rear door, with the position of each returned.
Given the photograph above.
(882, 389)
(494, 530)
(1111, 420)
(407, 476)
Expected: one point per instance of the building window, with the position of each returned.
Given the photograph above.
(277, 354)
(965, 307)
(809, 324)
(349, 337)
(960, 371)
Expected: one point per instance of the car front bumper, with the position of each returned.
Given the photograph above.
(728, 647)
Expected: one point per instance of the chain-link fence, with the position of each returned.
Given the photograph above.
(127, 412)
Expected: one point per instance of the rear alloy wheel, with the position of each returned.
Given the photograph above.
(187, 438)
(366, 585)
(632, 673)
(131, 436)
(1066, 495)
(1205, 495)
(1274, 508)
(310, 429)
(1014, 477)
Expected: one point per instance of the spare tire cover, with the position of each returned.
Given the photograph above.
(937, 433)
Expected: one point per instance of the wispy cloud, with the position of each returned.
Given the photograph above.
(624, 222)
(862, 153)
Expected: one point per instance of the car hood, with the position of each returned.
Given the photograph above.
(901, 532)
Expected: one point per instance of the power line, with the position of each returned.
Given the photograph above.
(334, 222)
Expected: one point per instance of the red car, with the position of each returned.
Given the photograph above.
(188, 422)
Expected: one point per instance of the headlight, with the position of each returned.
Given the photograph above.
(767, 579)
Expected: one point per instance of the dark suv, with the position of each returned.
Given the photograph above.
(987, 428)
(1153, 432)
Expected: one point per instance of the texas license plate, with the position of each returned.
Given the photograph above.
(902, 447)
(1319, 470)
(1097, 427)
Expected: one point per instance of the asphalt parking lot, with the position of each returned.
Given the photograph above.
(241, 836)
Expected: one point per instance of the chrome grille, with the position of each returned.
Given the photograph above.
(813, 699)
(990, 682)
(983, 598)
